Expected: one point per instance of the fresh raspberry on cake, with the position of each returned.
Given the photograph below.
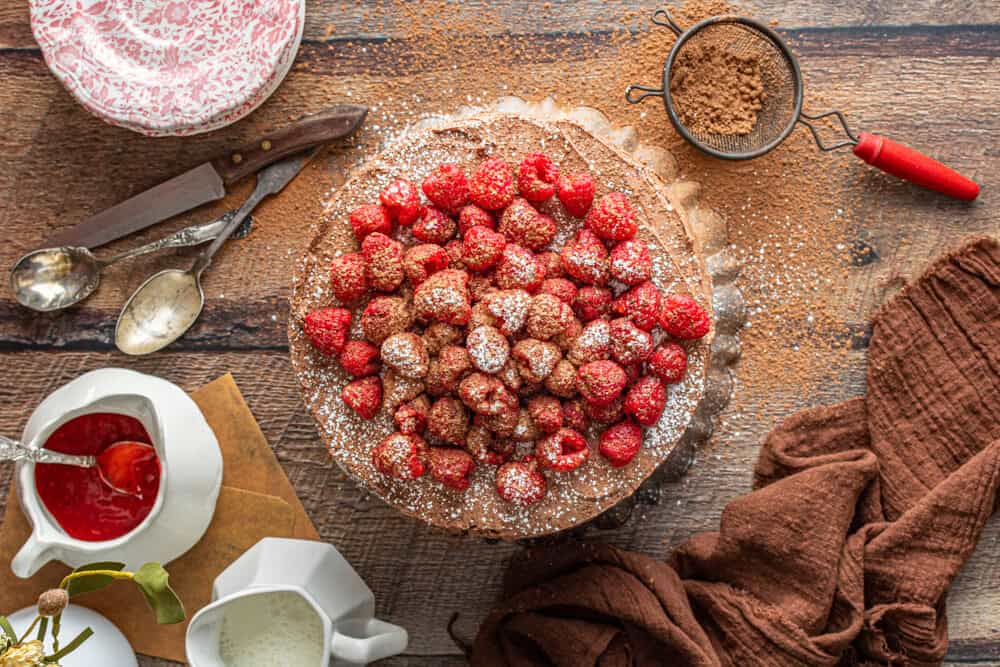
(327, 329)
(447, 188)
(574, 415)
(402, 200)
(510, 377)
(576, 192)
(612, 218)
(567, 338)
(472, 216)
(448, 420)
(438, 334)
(364, 396)
(401, 456)
(486, 394)
(481, 444)
(630, 262)
(433, 226)
(411, 417)
(535, 358)
(563, 450)
(547, 316)
(454, 249)
(592, 303)
(668, 362)
(385, 316)
(347, 277)
(605, 414)
(525, 226)
(502, 424)
(451, 467)
(620, 443)
(384, 259)
(398, 389)
(518, 268)
(546, 413)
(520, 482)
(593, 344)
(630, 345)
(405, 354)
(526, 430)
(492, 185)
(445, 371)
(585, 258)
(641, 304)
(646, 399)
(600, 382)
(509, 309)
(480, 284)
(444, 297)
(552, 263)
(422, 260)
(488, 349)
(359, 358)
(537, 176)
(482, 248)
(561, 381)
(370, 218)
(682, 317)
(562, 289)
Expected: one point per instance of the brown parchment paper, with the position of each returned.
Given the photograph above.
(256, 501)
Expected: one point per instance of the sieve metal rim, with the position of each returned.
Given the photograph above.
(683, 37)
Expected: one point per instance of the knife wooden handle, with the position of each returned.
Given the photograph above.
(309, 131)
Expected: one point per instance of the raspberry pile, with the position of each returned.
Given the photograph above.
(490, 348)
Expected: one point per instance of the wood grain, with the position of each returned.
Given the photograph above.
(922, 71)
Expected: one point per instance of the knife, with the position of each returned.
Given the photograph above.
(207, 182)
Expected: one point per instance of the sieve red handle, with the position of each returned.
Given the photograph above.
(913, 166)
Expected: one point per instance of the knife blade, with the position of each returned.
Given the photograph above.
(207, 182)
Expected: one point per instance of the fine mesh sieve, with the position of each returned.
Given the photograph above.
(781, 104)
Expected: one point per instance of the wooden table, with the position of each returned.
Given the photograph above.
(922, 70)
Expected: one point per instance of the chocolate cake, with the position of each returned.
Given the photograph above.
(573, 496)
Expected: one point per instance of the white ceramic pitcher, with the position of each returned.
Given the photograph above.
(323, 578)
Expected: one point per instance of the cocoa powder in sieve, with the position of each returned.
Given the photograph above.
(715, 91)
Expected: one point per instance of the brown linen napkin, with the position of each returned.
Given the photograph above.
(256, 501)
(862, 514)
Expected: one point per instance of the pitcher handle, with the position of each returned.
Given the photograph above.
(362, 641)
(30, 558)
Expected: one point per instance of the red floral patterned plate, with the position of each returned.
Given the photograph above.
(168, 67)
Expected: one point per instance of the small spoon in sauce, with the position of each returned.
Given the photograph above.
(123, 466)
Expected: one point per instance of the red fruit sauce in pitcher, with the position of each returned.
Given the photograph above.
(77, 498)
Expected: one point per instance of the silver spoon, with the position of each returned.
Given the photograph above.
(54, 278)
(169, 302)
(11, 450)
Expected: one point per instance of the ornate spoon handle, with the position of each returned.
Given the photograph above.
(11, 450)
(188, 236)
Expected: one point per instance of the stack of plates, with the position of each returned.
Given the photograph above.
(169, 67)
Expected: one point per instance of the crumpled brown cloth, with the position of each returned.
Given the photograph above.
(861, 515)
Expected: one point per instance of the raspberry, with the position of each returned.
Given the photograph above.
(646, 399)
(511, 378)
(385, 316)
(327, 329)
(592, 303)
(402, 200)
(364, 396)
(629, 344)
(600, 382)
(537, 176)
(451, 467)
(401, 456)
(486, 395)
(562, 380)
(447, 188)
(620, 443)
(448, 421)
(444, 297)
(593, 343)
(480, 284)
(405, 354)
(492, 185)
(526, 430)
(488, 349)
(522, 224)
(420, 261)
(398, 389)
(682, 317)
(568, 337)
(518, 268)
(630, 262)
(347, 277)
(359, 358)
(509, 309)
(535, 359)
(576, 192)
(482, 248)
(552, 263)
(585, 258)
(472, 216)
(574, 415)
(438, 335)
(560, 288)
(502, 424)
(546, 413)
(411, 417)
(641, 304)
(562, 451)
(433, 226)
(668, 362)
(479, 442)
(520, 482)
(547, 316)
(444, 373)
(612, 218)
(370, 218)
(454, 250)
(384, 257)
(605, 414)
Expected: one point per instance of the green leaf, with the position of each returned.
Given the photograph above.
(70, 647)
(7, 629)
(94, 582)
(42, 628)
(154, 582)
